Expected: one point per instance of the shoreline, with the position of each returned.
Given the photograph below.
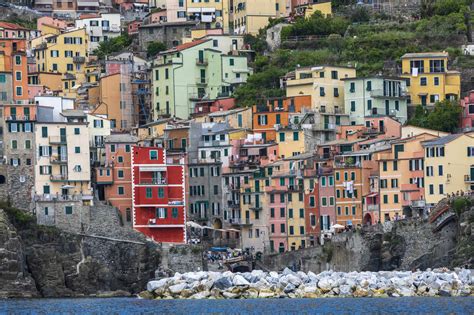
(288, 284)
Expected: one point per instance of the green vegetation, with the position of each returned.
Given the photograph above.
(461, 204)
(154, 48)
(372, 48)
(17, 217)
(444, 117)
(20, 20)
(113, 45)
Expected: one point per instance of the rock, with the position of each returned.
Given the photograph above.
(146, 295)
(223, 283)
(230, 295)
(201, 295)
(345, 290)
(326, 284)
(186, 293)
(216, 293)
(251, 293)
(266, 293)
(240, 280)
(289, 288)
(155, 284)
(405, 291)
(177, 288)
(359, 292)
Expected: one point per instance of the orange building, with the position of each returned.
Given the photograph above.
(276, 112)
(114, 179)
(13, 61)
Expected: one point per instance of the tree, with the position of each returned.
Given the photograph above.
(113, 45)
(154, 48)
(444, 117)
(360, 14)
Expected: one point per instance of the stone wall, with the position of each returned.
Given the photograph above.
(183, 258)
(53, 213)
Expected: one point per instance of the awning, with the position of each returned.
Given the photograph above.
(152, 169)
(67, 187)
(372, 195)
(194, 10)
(210, 10)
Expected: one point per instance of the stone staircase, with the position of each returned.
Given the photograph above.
(105, 222)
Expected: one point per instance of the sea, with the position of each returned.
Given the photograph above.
(403, 305)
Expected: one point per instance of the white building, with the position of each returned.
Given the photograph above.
(100, 28)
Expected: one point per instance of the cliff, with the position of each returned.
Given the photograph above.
(445, 239)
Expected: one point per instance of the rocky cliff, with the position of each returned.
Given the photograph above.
(445, 239)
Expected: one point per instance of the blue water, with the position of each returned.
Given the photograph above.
(413, 305)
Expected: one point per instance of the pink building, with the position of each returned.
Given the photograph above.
(157, 17)
(327, 209)
(216, 105)
(133, 27)
(467, 116)
(47, 20)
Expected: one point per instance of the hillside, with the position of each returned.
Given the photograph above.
(373, 45)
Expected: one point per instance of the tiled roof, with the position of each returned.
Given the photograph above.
(12, 26)
(186, 46)
(121, 138)
(442, 140)
(438, 54)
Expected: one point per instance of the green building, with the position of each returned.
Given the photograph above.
(192, 73)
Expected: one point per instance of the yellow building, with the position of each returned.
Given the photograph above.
(290, 142)
(151, 131)
(249, 16)
(449, 166)
(236, 118)
(212, 14)
(324, 7)
(323, 83)
(66, 54)
(411, 131)
(429, 78)
(401, 176)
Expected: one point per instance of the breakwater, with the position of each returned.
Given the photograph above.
(289, 284)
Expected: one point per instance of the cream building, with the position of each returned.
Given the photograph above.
(323, 83)
(249, 16)
(449, 166)
(99, 128)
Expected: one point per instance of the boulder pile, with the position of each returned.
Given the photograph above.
(289, 284)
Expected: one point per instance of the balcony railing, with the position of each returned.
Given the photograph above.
(20, 117)
(153, 181)
(175, 202)
(201, 80)
(78, 59)
(418, 203)
(381, 93)
(57, 139)
(372, 208)
(58, 197)
(240, 221)
(58, 177)
(55, 159)
(468, 179)
(201, 62)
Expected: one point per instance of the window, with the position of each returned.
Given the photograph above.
(321, 91)
(282, 212)
(120, 190)
(14, 144)
(385, 199)
(231, 61)
(339, 211)
(353, 106)
(68, 209)
(311, 201)
(282, 228)
(77, 149)
(295, 136)
(148, 193)
(440, 170)
(423, 81)
(334, 75)
(18, 60)
(301, 213)
(431, 189)
(324, 201)
(27, 144)
(174, 213)
(18, 75)
(292, 231)
(153, 155)
(161, 192)
(19, 91)
(369, 85)
(77, 131)
(384, 166)
(120, 159)
(290, 213)
(352, 87)
(436, 80)
(441, 189)
(395, 198)
(418, 65)
(120, 173)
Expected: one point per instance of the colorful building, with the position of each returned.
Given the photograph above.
(249, 16)
(323, 83)
(449, 166)
(192, 73)
(402, 179)
(99, 28)
(211, 14)
(158, 195)
(428, 78)
(274, 114)
(375, 96)
(467, 115)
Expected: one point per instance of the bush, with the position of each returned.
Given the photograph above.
(461, 204)
(444, 117)
(154, 48)
(113, 45)
(17, 217)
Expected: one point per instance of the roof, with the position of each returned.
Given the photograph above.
(73, 113)
(381, 77)
(165, 24)
(442, 141)
(121, 138)
(227, 112)
(440, 54)
(185, 46)
(12, 26)
(341, 141)
(88, 16)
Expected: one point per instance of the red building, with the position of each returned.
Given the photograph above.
(158, 195)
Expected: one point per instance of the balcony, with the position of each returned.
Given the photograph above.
(175, 202)
(20, 118)
(232, 204)
(372, 208)
(295, 188)
(97, 144)
(418, 203)
(63, 198)
(201, 62)
(469, 179)
(79, 59)
(240, 222)
(380, 93)
(56, 159)
(58, 178)
(57, 140)
(201, 81)
(153, 181)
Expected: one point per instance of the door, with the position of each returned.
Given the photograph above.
(387, 107)
(62, 133)
(472, 173)
(201, 56)
(64, 192)
(423, 100)
(381, 126)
